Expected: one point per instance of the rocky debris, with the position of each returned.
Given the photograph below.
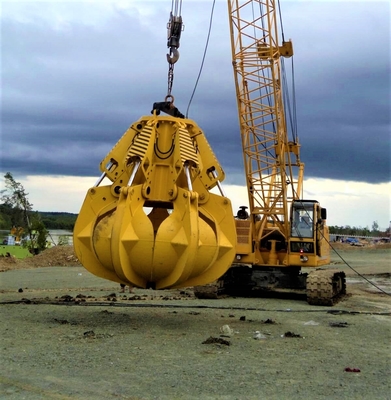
(258, 335)
(269, 321)
(61, 321)
(136, 297)
(187, 293)
(290, 334)
(226, 331)
(111, 297)
(66, 298)
(338, 324)
(93, 335)
(215, 340)
(311, 323)
(348, 369)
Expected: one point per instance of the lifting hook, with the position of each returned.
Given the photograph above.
(173, 56)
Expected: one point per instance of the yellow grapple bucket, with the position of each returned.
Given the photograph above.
(157, 225)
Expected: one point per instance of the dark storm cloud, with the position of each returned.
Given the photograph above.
(68, 94)
(342, 61)
(69, 91)
(349, 137)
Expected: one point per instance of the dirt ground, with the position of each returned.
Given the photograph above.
(66, 334)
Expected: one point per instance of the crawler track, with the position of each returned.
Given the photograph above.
(325, 286)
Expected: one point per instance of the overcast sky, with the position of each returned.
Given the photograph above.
(76, 74)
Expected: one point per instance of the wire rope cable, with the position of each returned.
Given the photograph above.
(343, 260)
(282, 27)
(360, 275)
(203, 58)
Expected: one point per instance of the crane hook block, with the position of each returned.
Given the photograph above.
(155, 224)
(174, 30)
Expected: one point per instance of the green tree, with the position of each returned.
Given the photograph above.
(15, 201)
(375, 228)
(38, 235)
(15, 198)
(5, 217)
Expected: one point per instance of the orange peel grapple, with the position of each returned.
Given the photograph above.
(157, 224)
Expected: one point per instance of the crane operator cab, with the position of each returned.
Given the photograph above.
(309, 234)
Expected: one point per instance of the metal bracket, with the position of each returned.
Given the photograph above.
(168, 108)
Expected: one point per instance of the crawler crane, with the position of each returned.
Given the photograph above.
(158, 225)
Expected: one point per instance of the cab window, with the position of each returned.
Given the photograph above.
(302, 223)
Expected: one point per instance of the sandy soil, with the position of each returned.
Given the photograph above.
(69, 335)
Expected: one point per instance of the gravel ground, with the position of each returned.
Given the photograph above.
(70, 335)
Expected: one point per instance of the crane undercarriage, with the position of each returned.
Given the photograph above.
(321, 286)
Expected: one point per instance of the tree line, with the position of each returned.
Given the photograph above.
(17, 215)
(58, 220)
(359, 231)
(17, 212)
(51, 220)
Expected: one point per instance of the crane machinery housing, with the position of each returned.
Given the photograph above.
(158, 224)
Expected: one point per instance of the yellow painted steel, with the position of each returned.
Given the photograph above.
(273, 168)
(156, 224)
